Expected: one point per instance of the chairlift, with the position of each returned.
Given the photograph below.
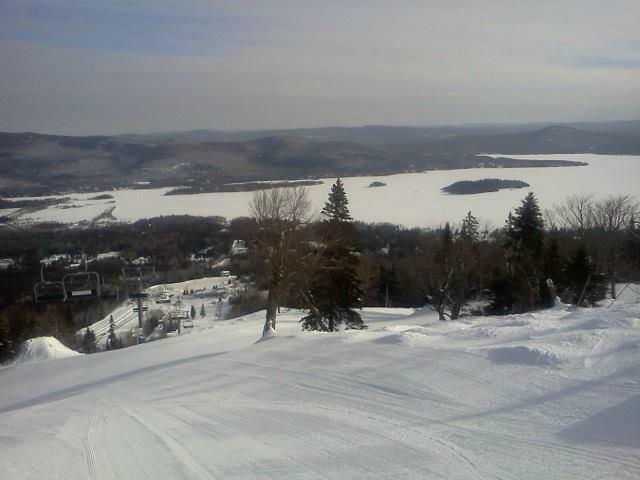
(109, 290)
(48, 292)
(143, 273)
(82, 285)
(137, 278)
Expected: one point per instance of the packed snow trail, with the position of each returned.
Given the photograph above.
(550, 394)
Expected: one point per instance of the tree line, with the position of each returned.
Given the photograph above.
(576, 252)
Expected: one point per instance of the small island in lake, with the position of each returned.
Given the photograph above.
(467, 187)
(105, 196)
(377, 184)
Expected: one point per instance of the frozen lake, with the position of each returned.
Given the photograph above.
(411, 199)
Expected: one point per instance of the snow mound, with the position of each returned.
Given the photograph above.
(415, 336)
(560, 305)
(521, 355)
(43, 349)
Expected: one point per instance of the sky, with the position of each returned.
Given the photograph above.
(103, 67)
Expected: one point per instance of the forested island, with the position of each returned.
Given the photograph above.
(468, 187)
(241, 187)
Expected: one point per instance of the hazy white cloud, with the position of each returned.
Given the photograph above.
(232, 65)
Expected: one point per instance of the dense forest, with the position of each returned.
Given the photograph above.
(578, 251)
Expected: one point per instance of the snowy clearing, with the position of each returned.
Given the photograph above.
(548, 394)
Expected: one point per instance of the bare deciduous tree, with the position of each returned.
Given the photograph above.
(614, 213)
(280, 213)
(576, 213)
(601, 222)
(610, 216)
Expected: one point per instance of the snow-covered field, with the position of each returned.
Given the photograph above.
(553, 394)
(412, 199)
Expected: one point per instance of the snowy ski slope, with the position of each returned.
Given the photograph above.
(553, 394)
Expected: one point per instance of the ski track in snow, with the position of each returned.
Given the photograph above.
(408, 398)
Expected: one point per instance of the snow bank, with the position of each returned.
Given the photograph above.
(43, 349)
(415, 336)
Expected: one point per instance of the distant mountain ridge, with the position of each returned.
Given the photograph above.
(551, 139)
(35, 163)
(379, 135)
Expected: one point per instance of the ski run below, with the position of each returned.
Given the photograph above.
(551, 394)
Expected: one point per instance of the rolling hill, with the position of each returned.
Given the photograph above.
(33, 163)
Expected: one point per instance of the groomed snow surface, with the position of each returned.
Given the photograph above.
(553, 394)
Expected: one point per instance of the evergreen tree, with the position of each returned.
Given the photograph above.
(203, 313)
(112, 338)
(469, 229)
(453, 269)
(447, 239)
(525, 229)
(522, 284)
(335, 285)
(336, 207)
(88, 343)
(193, 312)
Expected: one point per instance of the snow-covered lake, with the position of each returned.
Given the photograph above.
(412, 199)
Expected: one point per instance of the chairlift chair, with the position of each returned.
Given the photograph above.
(82, 285)
(144, 273)
(48, 292)
(137, 279)
(109, 290)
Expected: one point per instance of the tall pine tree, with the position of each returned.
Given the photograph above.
(335, 285)
(112, 338)
(336, 208)
(469, 229)
(524, 271)
(525, 229)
